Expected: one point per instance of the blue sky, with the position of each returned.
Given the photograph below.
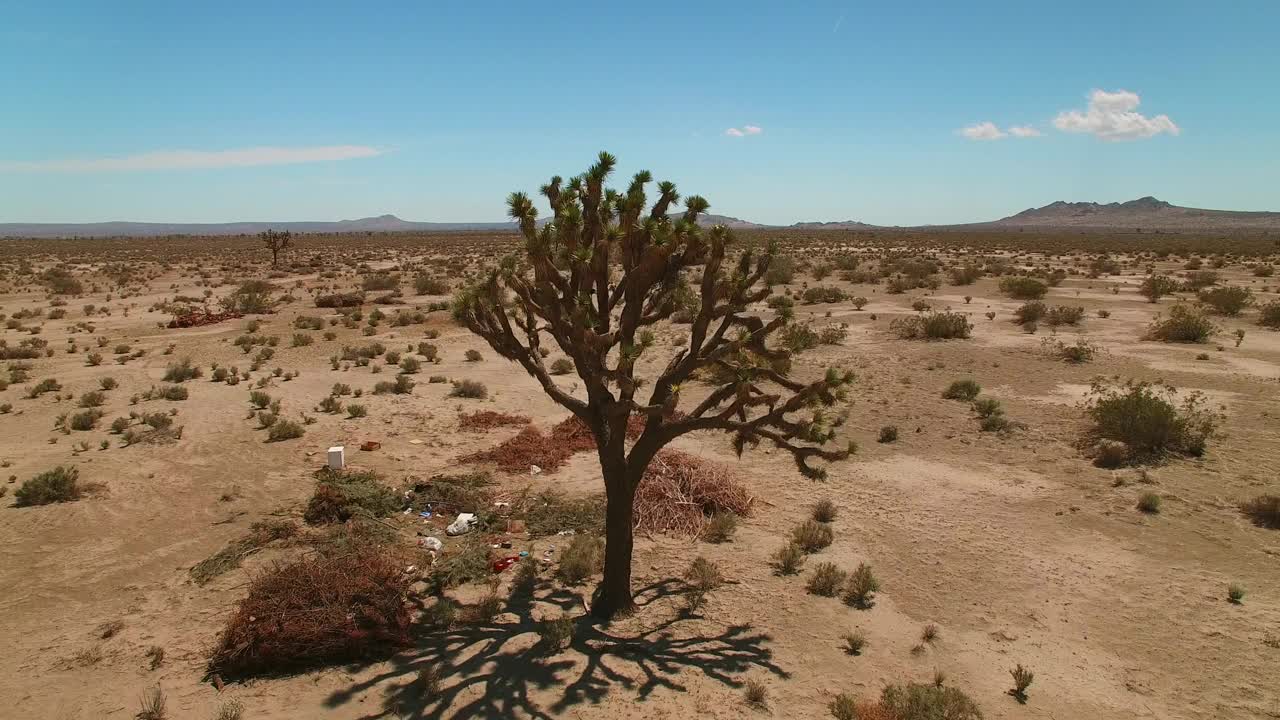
(208, 112)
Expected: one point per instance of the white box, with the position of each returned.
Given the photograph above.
(337, 457)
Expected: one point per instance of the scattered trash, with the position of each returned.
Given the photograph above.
(566, 532)
(370, 445)
(501, 504)
(425, 514)
(535, 470)
(506, 545)
(506, 562)
(415, 441)
(462, 525)
(524, 553)
(411, 568)
(430, 543)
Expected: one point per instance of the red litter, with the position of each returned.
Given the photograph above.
(506, 562)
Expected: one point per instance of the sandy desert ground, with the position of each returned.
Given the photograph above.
(1014, 545)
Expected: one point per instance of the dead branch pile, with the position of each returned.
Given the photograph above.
(488, 419)
(199, 318)
(680, 492)
(316, 611)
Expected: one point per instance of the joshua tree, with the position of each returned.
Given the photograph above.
(275, 242)
(596, 280)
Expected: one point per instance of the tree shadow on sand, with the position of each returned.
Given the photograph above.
(482, 671)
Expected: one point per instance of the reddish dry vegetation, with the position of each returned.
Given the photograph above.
(680, 492)
(315, 611)
(488, 419)
(531, 446)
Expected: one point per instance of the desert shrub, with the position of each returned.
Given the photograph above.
(1235, 593)
(581, 560)
(1183, 324)
(469, 389)
(811, 536)
(824, 511)
(473, 356)
(553, 512)
(854, 642)
(888, 434)
(61, 484)
(342, 495)
(1154, 287)
(720, 528)
(301, 340)
(561, 366)
(702, 577)
(788, 559)
(329, 404)
(755, 693)
(322, 609)
(424, 284)
(822, 294)
(1228, 300)
(1063, 315)
(1149, 502)
(1264, 511)
(826, 579)
(920, 701)
(1200, 279)
(861, 587)
(1030, 312)
(1269, 315)
(944, 325)
(1145, 418)
(259, 399)
(464, 560)
(410, 365)
(108, 383)
(402, 385)
(782, 270)
(380, 281)
(556, 633)
(181, 371)
(260, 535)
(285, 430)
(1264, 271)
(93, 399)
(355, 410)
(965, 275)
(251, 297)
(308, 322)
(845, 707)
(1080, 351)
(339, 300)
(833, 334)
(84, 421)
(44, 386)
(1022, 678)
(965, 390)
(859, 302)
(1023, 288)
(920, 305)
(798, 337)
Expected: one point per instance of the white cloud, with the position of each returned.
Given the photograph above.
(986, 130)
(1024, 131)
(198, 159)
(734, 132)
(1114, 116)
(744, 131)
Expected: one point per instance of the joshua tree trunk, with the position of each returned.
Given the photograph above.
(613, 598)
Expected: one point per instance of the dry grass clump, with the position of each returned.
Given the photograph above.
(260, 535)
(918, 701)
(702, 577)
(826, 579)
(582, 559)
(824, 511)
(556, 633)
(489, 419)
(861, 588)
(469, 492)
(788, 559)
(317, 610)
(1264, 511)
(550, 512)
(811, 536)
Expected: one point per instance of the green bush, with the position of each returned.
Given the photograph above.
(811, 536)
(1184, 325)
(181, 371)
(58, 485)
(798, 337)
(1063, 315)
(1145, 418)
(1227, 300)
(1030, 312)
(823, 294)
(1023, 288)
(965, 390)
(861, 587)
(932, 326)
(284, 430)
(826, 579)
(1154, 287)
(342, 495)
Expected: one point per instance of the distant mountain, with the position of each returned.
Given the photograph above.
(1146, 213)
(381, 223)
(836, 225)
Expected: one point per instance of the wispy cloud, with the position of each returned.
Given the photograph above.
(986, 130)
(197, 159)
(744, 131)
(1114, 116)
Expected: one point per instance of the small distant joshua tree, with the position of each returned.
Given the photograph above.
(276, 241)
(596, 279)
